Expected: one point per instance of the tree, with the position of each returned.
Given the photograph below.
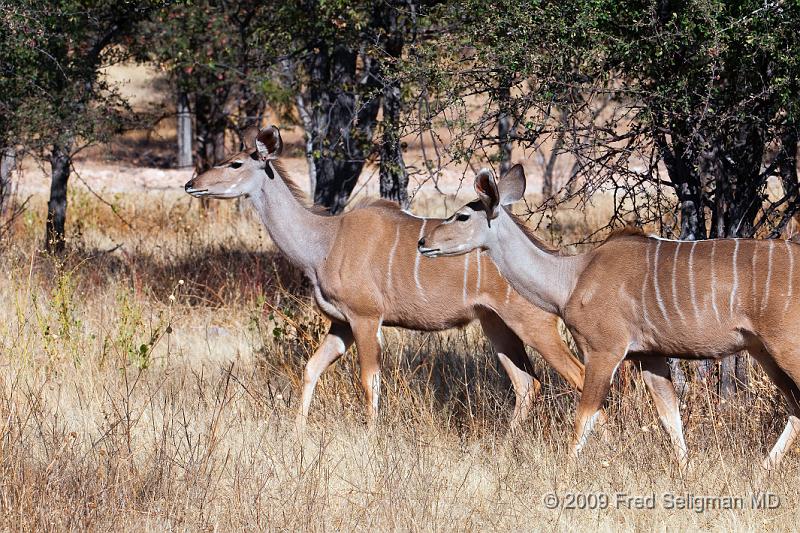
(332, 63)
(395, 22)
(339, 90)
(341, 60)
(57, 57)
(222, 59)
(19, 31)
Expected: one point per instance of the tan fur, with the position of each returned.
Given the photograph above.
(625, 231)
(732, 296)
(354, 280)
(366, 272)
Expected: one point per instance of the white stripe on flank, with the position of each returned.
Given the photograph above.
(791, 275)
(714, 281)
(645, 314)
(478, 260)
(655, 283)
(508, 292)
(419, 256)
(692, 294)
(391, 256)
(765, 300)
(735, 273)
(466, 271)
(674, 281)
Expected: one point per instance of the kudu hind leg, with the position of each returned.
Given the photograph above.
(790, 391)
(656, 375)
(540, 332)
(511, 353)
(333, 346)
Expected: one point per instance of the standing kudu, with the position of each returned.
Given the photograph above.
(644, 298)
(366, 272)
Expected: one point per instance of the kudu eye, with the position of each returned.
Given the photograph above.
(236, 164)
(462, 217)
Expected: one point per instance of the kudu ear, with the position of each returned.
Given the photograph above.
(249, 138)
(512, 185)
(269, 143)
(488, 193)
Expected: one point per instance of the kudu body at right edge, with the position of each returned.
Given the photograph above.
(645, 298)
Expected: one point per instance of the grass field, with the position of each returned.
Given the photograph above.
(154, 387)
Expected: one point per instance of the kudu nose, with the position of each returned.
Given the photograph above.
(421, 243)
(189, 185)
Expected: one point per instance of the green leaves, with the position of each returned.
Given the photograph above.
(52, 56)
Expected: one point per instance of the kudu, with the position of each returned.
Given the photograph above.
(366, 273)
(644, 298)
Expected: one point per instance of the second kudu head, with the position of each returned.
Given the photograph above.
(242, 173)
(471, 226)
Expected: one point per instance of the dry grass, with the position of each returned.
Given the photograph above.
(130, 400)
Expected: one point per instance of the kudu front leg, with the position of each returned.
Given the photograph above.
(368, 344)
(600, 370)
(333, 346)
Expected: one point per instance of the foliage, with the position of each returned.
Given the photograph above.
(218, 53)
(706, 90)
(60, 102)
(52, 61)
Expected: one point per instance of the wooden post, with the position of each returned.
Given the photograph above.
(8, 160)
(184, 131)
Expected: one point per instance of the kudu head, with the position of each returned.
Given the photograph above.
(471, 226)
(242, 173)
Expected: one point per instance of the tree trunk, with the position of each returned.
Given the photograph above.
(504, 125)
(251, 110)
(8, 160)
(549, 169)
(184, 131)
(393, 176)
(786, 161)
(210, 125)
(308, 126)
(60, 162)
(289, 68)
(343, 121)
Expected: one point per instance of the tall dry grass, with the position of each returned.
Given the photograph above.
(154, 387)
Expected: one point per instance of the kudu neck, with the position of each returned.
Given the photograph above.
(303, 236)
(543, 277)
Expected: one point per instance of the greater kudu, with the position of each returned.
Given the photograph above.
(644, 298)
(366, 273)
